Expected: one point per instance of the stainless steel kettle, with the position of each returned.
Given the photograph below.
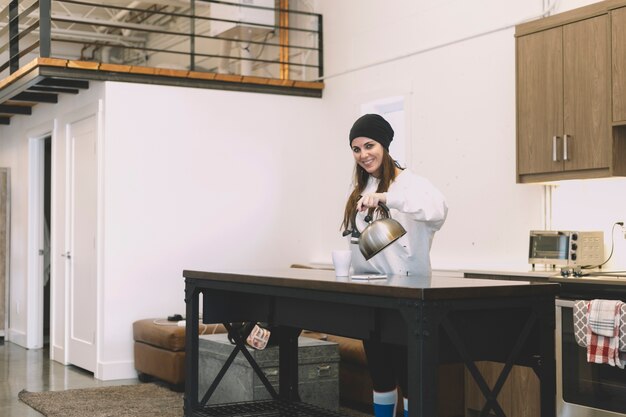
(378, 234)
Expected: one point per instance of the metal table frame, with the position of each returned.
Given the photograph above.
(439, 327)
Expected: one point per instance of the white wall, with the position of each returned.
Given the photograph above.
(594, 205)
(202, 179)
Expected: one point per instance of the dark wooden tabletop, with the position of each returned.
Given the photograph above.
(398, 286)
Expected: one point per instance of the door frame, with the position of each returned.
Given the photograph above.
(58, 130)
(60, 297)
(34, 281)
(4, 334)
(81, 211)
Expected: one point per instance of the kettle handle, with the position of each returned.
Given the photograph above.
(385, 209)
(355, 232)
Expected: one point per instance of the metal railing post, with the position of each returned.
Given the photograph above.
(192, 40)
(320, 48)
(14, 31)
(283, 23)
(44, 28)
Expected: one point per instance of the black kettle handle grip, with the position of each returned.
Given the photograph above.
(368, 219)
(385, 209)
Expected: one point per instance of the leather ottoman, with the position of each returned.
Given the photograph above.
(159, 350)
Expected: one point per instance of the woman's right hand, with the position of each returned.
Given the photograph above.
(371, 200)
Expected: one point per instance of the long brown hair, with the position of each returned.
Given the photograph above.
(361, 176)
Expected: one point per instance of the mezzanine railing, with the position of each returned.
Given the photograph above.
(249, 37)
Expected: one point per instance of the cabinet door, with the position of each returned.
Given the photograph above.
(586, 94)
(618, 33)
(519, 396)
(539, 101)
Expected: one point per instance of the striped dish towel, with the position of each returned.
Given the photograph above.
(603, 318)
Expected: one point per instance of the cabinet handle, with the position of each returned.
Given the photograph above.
(565, 158)
(323, 370)
(555, 158)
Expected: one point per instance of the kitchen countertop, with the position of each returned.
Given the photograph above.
(538, 275)
(400, 286)
(511, 275)
(517, 273)
(589, 287)
(593, 280)
(550, 276)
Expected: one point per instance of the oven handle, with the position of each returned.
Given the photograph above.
(559, 302)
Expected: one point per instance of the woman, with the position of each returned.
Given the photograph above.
(420, 208)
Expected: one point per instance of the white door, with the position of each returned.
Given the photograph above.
(81, 260)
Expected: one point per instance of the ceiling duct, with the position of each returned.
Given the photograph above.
(241, 20)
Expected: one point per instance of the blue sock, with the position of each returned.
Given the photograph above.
(406, 407)
(385, 403)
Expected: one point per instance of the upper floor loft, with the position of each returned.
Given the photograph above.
(52, 47)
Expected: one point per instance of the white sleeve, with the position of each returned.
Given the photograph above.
(415, 195)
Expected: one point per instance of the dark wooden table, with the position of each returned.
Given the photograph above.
(439, 319)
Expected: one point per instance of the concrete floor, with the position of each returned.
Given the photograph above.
(33, 370)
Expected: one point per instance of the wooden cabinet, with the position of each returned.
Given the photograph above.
(519, 396)
(586, 95)
(571, 87)
(618, 54)
(539, 101)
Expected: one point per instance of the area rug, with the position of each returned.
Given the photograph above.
(141, 400)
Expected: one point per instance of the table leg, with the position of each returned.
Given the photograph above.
(423, 359)
(288, 363)
(430, 319)
(547, 365)
(415, 383)
(191, 348)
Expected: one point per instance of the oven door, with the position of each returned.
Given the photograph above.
(549, 248)
(584, 389)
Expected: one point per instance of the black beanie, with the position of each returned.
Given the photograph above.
(372, 126)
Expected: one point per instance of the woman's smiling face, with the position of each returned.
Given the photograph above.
(368, 154)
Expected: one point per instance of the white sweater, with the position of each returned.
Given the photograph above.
(421, 209)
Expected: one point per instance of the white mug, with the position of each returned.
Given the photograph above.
(341, 261)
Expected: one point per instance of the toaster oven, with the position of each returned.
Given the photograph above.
(566, 248)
